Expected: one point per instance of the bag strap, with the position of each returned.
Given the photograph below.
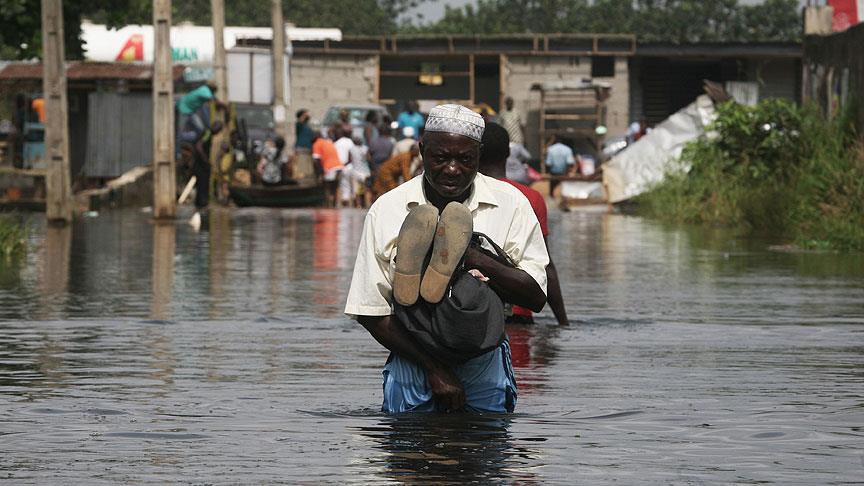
(501, 255)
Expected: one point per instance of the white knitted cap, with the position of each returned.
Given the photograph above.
(455, 119)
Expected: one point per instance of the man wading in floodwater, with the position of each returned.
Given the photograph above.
(415, 378)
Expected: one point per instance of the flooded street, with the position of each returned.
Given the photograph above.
(131, 352)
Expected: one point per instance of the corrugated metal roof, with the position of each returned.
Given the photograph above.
(87, 71)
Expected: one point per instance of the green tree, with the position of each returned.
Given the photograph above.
(20, 20)
(680, 21)
(21, 24)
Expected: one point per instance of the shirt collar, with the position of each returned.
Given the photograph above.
(480, 193)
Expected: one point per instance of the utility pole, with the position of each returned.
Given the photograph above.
(164, 178)
(217, 8)
(279, 108)
(58, 204)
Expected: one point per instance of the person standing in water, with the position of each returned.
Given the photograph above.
(493, 163)
(415, 379)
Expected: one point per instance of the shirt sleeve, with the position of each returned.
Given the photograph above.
(525, 244)
(371, 285)
(570, 159)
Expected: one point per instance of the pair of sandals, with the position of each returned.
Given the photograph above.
(447, 235)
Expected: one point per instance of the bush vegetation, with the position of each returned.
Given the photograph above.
(12, 241)
(775, 168)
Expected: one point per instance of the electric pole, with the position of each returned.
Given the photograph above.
(58, 203)
(220, 70)
(279, 109)
(164, 177)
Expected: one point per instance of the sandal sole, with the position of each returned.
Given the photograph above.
(452, 237)
(415, 239)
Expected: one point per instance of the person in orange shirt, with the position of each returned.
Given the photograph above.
(38, 105)
(392, 170)
(324, 152)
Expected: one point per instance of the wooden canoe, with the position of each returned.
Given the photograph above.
(300, 194)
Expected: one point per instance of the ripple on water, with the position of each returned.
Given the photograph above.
(134, 353)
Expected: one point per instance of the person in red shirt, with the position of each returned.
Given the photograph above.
(493, 160)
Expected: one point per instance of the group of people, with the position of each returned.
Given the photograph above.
(359, 164)
(413, 242)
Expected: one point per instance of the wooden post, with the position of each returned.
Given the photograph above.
(164, 179)
(502, 81)
(58, 207)
(471, 86)
(220, 72)
(279, 108)
(219, 67)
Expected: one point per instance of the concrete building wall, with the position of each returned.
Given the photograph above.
(618, 104)
(317, 82)
(520, 72)
(777, 78)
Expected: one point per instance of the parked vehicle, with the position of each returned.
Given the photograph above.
(259, 124)
(356, 115)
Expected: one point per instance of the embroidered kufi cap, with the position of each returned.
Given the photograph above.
(456, 119)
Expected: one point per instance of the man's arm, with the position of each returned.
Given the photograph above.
(556, 301)
(513, 285)
(390, 333)
(199, 147)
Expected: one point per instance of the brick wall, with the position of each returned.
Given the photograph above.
(317, 82)
(523, 71)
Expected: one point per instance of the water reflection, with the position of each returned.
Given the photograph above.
(54, 275)
(164, 235)
(156, 354)
(221, 244)
(325, 260)
(442, 449)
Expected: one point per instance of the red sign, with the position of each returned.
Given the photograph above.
(133, 50)
(846, 13)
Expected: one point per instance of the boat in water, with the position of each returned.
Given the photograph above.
(289, 195)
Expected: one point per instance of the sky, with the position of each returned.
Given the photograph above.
(433, 10)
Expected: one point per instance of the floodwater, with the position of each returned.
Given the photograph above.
(153, 354)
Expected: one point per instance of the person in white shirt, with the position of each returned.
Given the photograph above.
(360, 173)
(343, 146)
(414, 379)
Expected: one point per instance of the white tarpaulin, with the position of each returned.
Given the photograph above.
(646, 162)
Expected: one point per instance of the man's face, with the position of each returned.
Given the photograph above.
(450, 162)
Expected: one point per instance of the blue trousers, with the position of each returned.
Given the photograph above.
(488, 381)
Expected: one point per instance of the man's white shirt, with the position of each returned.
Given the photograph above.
(499, 211)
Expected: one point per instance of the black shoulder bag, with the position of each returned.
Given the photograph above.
(468, 322)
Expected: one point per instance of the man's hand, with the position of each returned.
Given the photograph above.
(513, 285)
(447, 389)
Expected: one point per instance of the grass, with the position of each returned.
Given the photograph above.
(775, 169)
(12, 239)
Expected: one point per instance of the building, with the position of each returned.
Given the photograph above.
(110, 112)
(667, 77)
(647, 80)
(464, 69)
(834, 73)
